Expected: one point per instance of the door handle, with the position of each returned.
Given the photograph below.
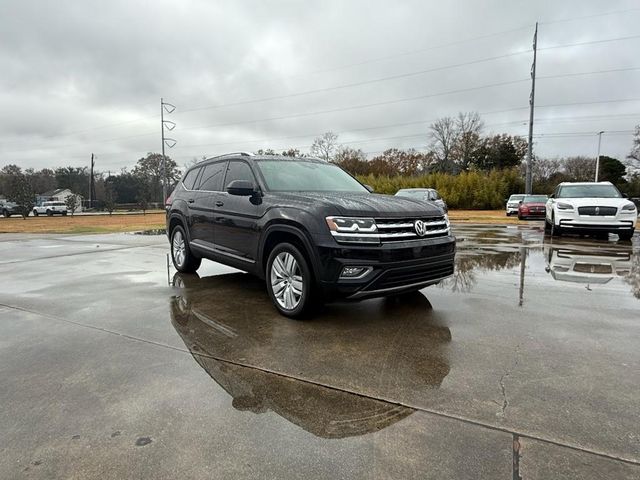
(219, 203)
(190, 200)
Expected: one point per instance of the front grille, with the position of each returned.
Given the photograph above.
(592, 268)
(598, 211)
(402, 229)
(399, 277)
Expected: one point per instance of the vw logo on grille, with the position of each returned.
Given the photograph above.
(597, 210)
(421, 228)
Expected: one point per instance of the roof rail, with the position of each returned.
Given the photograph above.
(231, 154)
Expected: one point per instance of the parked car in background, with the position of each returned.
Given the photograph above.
(9, 208)
(50, 208)
(308, 228)
(426, 194)
(590, 207)
(513, 203)
(532, 206)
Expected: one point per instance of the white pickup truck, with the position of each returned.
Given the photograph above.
(50, 209)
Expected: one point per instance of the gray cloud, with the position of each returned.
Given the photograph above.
(82, 77)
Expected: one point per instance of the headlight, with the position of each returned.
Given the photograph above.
(629, 207)
(564, 206)
(351, 225)
(353, 230)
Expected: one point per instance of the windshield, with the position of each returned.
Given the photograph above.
(589, 191)
(535, 199)
(516, 198)
(302, 176)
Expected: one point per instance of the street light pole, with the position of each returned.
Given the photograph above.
(598, 156)
(164, 158)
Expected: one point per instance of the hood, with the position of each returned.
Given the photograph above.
(595, 201)
(363, 204)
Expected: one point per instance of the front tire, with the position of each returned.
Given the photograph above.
(181, 255)
(289, 280)
(35, 213)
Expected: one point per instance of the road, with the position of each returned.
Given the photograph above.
(525, 365)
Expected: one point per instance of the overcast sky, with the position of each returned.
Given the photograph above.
(86, 76)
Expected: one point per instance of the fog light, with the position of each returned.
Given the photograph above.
(354, 272)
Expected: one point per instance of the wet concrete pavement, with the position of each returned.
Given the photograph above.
(525, 364)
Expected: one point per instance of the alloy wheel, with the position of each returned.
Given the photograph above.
(178, 248)
(286, 280)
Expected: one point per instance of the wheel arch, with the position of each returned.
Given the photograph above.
(286, 232)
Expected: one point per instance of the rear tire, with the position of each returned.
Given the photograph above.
(547, 226)
(181, 255)
(626, 235)
(289, 280)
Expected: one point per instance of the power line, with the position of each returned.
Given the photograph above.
(356, 84)
(604, 14)
(591, 42)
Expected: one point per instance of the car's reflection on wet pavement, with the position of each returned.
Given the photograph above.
(227, 324)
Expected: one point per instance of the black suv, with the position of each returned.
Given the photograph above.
(307, 227)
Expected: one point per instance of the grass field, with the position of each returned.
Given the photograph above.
(83, 223)
(135, 222)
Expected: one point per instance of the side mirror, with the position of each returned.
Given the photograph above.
(520, 202)
(370, 188)
(552, 195)
(624, 195)
(242, 188)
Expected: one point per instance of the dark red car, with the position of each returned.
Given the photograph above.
(533, 206)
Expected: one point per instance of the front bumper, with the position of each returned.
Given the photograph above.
(396, 267)
(622, 222)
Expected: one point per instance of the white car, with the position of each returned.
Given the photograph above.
(426, 194)
(513, 203)
(590, 207)
(50, 208)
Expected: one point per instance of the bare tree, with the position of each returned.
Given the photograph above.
(468, 138)
(580, 169)
(444, 134)
(545, 168)
(325, 146)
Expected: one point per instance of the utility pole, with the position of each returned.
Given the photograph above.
(598, 155)
(532, 97)
(169, 142)
(92, 184)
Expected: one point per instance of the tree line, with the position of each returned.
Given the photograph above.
(459, 156)
(139, 186)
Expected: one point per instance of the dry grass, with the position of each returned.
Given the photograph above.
(135, 222)
(482, 216)
(83, 223)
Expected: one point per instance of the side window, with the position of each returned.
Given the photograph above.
(238, 171)
(211, 178)
(190, 178)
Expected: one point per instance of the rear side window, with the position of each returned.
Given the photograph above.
(189, 179)
(211, 178)
(238, 171)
